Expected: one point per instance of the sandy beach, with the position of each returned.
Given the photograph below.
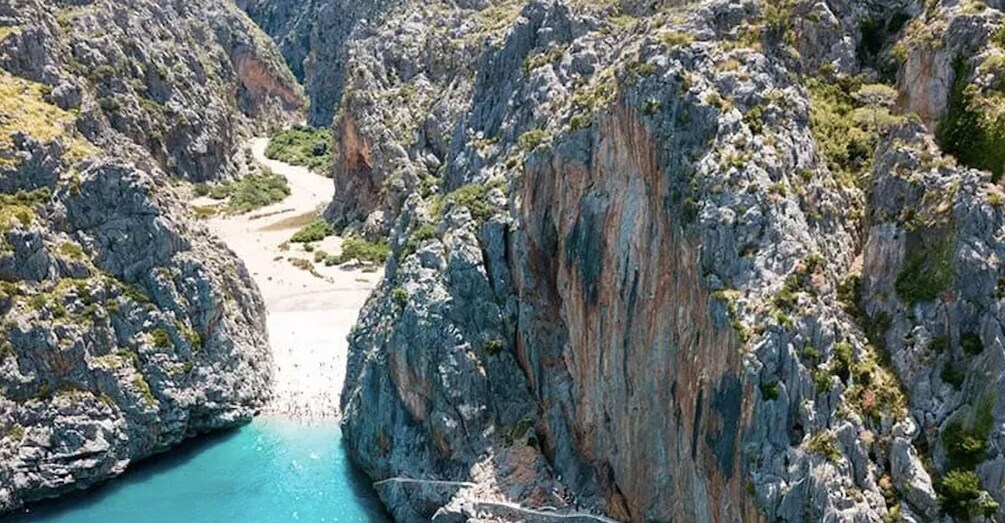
(309, 314)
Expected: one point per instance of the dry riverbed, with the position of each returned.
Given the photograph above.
(311, 307)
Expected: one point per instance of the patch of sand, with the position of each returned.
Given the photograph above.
(309, 313)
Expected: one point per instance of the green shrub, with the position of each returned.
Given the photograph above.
(354, 248)
(141, 386)
(221, 191)
(201, 189)
(304, 265)
(258, 190)
(580, 121)
(474, 197)
(971, 343)
(129, 356)
(843, 359)
(424, 233)
(872, 34)
(778, 24)
(109, 105)
(960, 489)
(26, 198)
(193, 338)
(975, 135)
(824, 444)
(400, 296)
(38, 301)
(674, 39)
(44, 390)
(16, 432)
(939, 344)
(846, 119)
(494, 347)
(953, 375)
(770, 391)
(544, 58)
(755, 120)
(160, 338)
(529, 140)
(419, 235)
(71, 250)
(927, 273)
(822, 380)
(15, 211)
(305, 146)
(963, 447)
(967, 447)
(136, 294)
(102, 71)
(986, 506)
(313, 232)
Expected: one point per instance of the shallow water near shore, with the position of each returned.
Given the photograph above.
(271, 470)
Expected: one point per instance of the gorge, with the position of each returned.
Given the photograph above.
(598, 260)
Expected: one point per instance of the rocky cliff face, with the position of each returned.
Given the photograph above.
(177, 80)
(126, 328)
(678, 262)
(314, 37)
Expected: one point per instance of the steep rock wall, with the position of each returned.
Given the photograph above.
(126, 327)
(314, 38)
(665, 274)
(626, 242)
(125, 332)
(184, 104)
(931, 283)
(654, 396)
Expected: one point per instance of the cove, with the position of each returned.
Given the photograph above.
(271, 470)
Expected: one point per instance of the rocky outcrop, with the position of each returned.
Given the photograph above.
(183, 104)
(125, 332)
(931, 284)
(672, 262)
(126, 327)
(659, 247)
(314, 38)
(932, 50)
(406, 83)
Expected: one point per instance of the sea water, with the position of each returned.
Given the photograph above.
(272, 470)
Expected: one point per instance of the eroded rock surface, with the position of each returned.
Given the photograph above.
(126, 327)
(659, 252)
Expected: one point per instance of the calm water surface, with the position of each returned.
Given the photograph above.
(272, 470)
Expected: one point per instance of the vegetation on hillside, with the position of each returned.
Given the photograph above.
(847, 118)
(301, 145)
(966, 447)
(973, 128)
(23, 108)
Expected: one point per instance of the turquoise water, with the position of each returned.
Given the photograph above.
(272, 470)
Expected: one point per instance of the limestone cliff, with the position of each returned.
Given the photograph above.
(126, 328)
(314, 37)
(180, 81)
(663, 261)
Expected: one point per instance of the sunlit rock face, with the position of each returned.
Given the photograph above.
(126, 328)
(642, 227)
